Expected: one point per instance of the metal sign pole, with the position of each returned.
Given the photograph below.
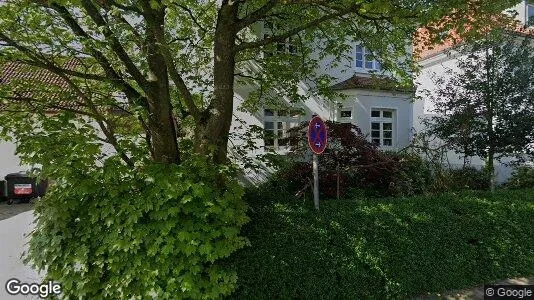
(316, 181)
(317, 140)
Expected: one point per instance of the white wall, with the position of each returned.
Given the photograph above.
(9, 162)
(363, 101)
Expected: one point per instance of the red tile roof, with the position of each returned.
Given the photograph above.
(371, 83)
(40, 85)
(425, 48)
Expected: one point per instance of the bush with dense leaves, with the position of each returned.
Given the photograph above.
(388, 248)
(523, 177)
(467, 178)
(361, 165)
(106, 230)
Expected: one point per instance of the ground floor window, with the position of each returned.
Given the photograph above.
(382, 127)
(276, 125)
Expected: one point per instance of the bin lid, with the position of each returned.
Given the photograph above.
(17, 175)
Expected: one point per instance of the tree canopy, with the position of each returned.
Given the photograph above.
(176, 62)
(485, 107)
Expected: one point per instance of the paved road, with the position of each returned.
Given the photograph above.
(15, 224)
(8, 211)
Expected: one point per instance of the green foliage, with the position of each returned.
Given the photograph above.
(410, 175)
(523, 177)
(109, 231)
(360, 165)
(485, 108)
(385, 248)
(157, 232)
(467, 178)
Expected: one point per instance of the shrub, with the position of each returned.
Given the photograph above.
(159, 232)
(386, 248)
(522, 177)
(361, 164)
(107, 230)
(467, 178)
(410, 175)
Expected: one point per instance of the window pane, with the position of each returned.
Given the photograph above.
(359, 64)
(359, 49)
(268, 112)
(368, 64)
(387, 126)
(387, 114)
(388, 142)
(376, 141)
(280, 134)
(269, 125)
(375, 133)
(375, 114)
(388, 134)
(530, 12)
(346, 113)
(280, 126)
(269, 137)
(375, 126)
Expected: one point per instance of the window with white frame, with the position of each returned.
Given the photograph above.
(383, 126)
(345, 115)
(288, 46)
(276, 125)
(365, 59)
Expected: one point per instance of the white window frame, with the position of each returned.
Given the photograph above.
(375, 64)
(346, 119)
(289, 45)
(287, 121)
(381, 120)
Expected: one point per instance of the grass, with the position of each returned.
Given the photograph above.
(388, 247)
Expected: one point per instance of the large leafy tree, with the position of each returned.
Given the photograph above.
(174, 60)
(132, 116)
(485, 107)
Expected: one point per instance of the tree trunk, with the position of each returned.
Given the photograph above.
(491, 169)
(160, 118)
(489, 103)
(214, 134)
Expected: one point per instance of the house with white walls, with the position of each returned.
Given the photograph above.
(442, 60)
(369, 97)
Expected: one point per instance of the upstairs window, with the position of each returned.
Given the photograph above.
(288, 46)
(276, 125)
(365, 59)
(382, 127)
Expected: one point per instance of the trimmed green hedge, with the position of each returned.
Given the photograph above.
(385, 247)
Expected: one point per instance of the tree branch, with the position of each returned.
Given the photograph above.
(281, 37)
(257, 14)
(116, 46)
(133, 95)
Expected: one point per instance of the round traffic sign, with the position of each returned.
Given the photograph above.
(317, 135)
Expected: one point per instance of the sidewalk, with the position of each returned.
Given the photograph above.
(475, 293)
(12, 234)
